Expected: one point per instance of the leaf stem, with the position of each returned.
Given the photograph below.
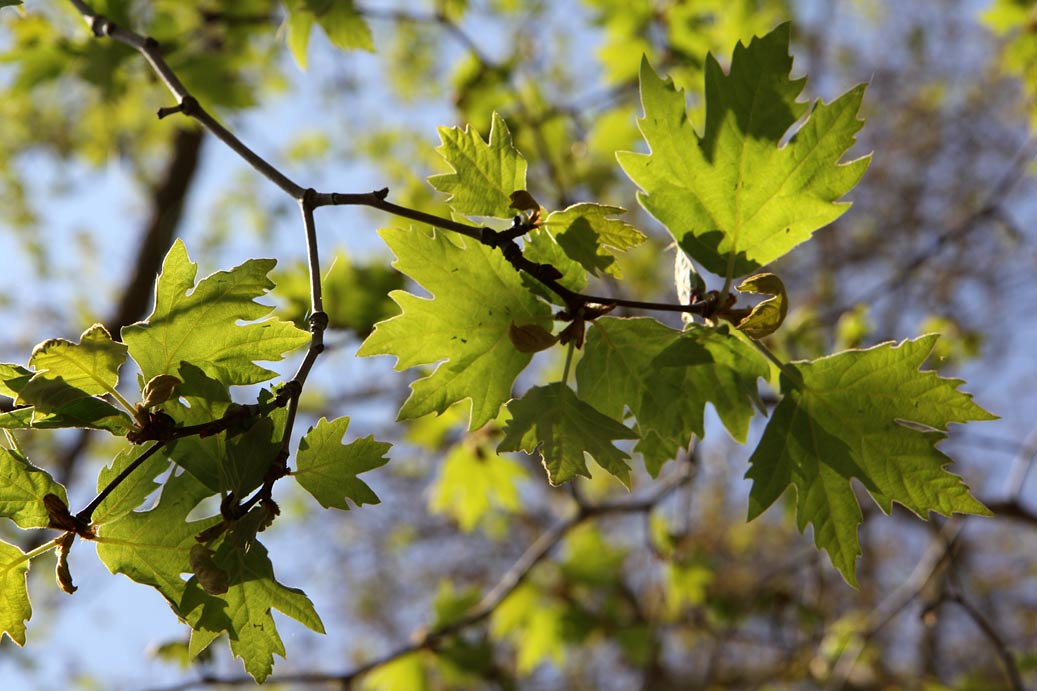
(792, 374)
(568, 361)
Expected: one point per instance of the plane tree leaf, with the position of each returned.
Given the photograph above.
(591, 235)
(477, 296)
(23, 488)
(738, 197)
(15, 608)
(200, 323)
(243, 610)
(485, 172)
(665, 378)
(328, 469)
(864, 414)
(153, 547)
(553, 422)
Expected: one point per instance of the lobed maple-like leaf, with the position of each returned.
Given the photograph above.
(153, 547)
(344, 26)
(15, 608)
(485, 172)
(63, 388)
(328, 469)
(665, 378)
(477, 296)
(200, 323)
(243, 609)
(737, 197)
(23, 487)
(553, 422)
(864, 414)
(591, 235)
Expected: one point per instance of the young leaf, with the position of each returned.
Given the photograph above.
(199, 324)
(243, 611)
(23, 487)
(590, 236)
(328, 469)
(15, 608)
(552, 421)
(485, 173)
(735, 199)
(666, 377)
(864, 414)
(477, 296)
(767, 316)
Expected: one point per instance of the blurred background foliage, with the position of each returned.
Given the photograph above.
(346, 96)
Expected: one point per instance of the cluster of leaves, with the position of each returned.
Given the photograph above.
(189, 351)
(735, 198)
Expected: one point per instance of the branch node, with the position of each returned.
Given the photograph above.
(100, 25)
(381, 194)
(309, 198)
(318, 322)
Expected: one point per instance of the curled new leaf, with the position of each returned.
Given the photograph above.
(767, 316)
(530, 338)
(159, 390)
(61, 571)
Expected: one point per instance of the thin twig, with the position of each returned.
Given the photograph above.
(1000, 646)
(87, 513)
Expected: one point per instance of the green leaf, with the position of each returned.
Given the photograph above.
(153, 547)
(199, 324)
(541, 247)
(405, 673)
(735, 198)
(15, 608)
(535, 626)
(864, 414)
(22, 489)
(62, 392)
(243, 611)
(477, 295)
(591, 237)
(343, 25)
(665, 378)
(485, 173)
(328, 469)
(472, 482)
(552, 421)
(91, 366)
(767, 316)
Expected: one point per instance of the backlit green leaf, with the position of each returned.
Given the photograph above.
(153, 547)
(15, 608)
(553, 422)
(477, 296)
(737, 198)
(485, 173)
(200, 323)
(665, 378)
(243, 611)
(591, 235)
(92, 365)
(472, 482)
(22, 489)
(328, 469)
(864, 414)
